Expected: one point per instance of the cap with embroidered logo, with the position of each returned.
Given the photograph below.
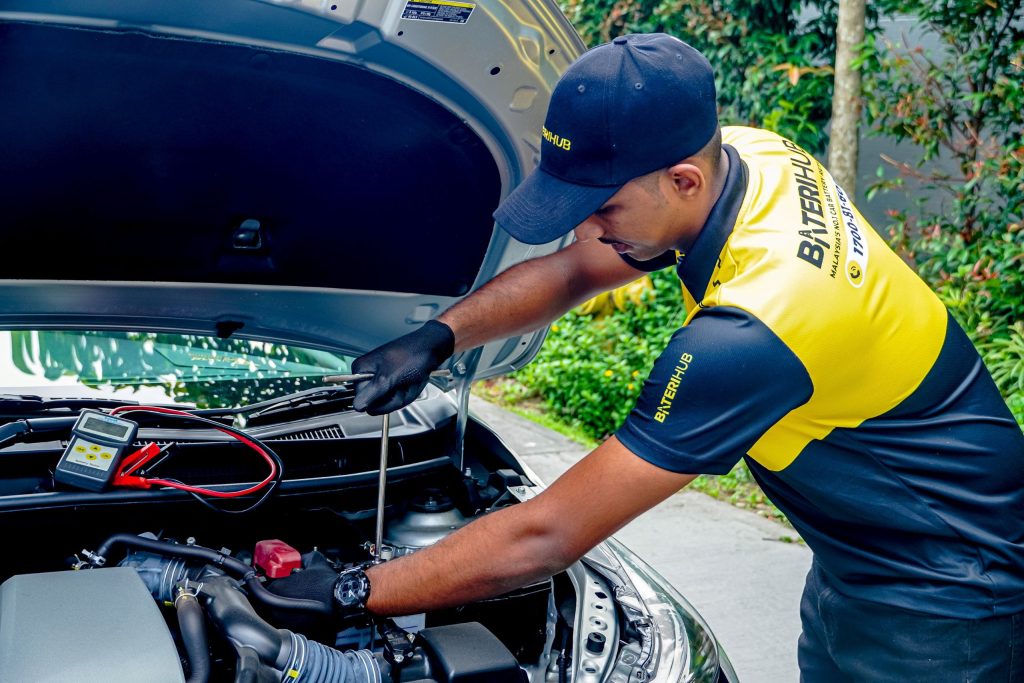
(623, 109)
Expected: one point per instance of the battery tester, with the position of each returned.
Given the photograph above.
(95, 456)
(97, 443)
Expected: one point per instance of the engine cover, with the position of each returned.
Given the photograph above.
(93, 625)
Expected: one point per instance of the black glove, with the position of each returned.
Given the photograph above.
(401, 368)
(319, 581)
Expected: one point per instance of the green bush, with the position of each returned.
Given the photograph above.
(589, 371)
(1004, 356)
(772, 70)
(962, 108)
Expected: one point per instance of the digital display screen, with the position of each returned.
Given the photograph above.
(99, 426)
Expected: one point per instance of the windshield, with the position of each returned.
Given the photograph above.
(148, 367)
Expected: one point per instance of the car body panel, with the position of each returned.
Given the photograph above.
(310, 173)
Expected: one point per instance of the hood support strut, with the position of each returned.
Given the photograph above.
(385, 427)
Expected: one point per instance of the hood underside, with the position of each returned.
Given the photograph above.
(288, 171)
(147, 154)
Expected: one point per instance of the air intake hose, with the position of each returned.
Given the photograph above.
(312, 662)
(295, 658)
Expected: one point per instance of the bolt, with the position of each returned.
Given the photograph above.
(191, 540)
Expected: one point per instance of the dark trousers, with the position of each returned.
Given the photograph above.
(848, 640)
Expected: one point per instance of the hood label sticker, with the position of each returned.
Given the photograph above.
(439, 10)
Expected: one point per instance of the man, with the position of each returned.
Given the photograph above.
(809, 348)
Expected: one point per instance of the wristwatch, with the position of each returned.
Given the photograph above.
(352, 590)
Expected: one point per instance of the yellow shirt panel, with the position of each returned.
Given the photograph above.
(807, 264)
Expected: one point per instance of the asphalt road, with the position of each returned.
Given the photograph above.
(729, 563)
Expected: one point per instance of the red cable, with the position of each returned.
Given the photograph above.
(198, 489)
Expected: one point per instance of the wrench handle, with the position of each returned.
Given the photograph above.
(363, 376)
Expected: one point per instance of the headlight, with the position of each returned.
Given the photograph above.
(675, 642)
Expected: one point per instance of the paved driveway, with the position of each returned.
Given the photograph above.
(728, 562)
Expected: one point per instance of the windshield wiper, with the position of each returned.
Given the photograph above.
(28, 403)
(317, 397)
(339, 390)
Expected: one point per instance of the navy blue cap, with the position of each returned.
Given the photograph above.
(623, 109)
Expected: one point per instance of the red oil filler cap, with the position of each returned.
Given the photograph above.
(276, 558)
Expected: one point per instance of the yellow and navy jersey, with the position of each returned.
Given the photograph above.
(863, 410)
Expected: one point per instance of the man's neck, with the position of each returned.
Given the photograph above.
(716, 187)
(718, 184)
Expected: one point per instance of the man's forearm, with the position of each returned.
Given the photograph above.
(492, 555)
(516, 302)
(532, 294)
(528, 541)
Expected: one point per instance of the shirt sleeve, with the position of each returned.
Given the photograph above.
(663, 260)
(721, 383)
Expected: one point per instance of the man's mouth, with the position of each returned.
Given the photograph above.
(619, 247)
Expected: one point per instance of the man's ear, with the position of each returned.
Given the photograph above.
(687, 179)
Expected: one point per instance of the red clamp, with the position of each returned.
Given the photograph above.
(130, 481)
(135, 462)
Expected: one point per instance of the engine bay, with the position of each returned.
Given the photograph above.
(145, 584)
(267, 604)
(182, 593)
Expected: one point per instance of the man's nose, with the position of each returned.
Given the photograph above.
(588, 230)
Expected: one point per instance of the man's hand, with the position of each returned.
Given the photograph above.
(401, 368)
(513, 546)
(521, 299)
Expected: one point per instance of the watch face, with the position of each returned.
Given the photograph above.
(352, 588)
(349, 589)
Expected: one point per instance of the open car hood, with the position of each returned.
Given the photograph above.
(310, 172)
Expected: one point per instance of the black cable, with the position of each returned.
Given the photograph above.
(192, 552)
(260, 592)
(239, 569)
(275, 482)
(219, 426)
(200, 499)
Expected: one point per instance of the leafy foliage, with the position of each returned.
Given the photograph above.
(590, 371)
(962, 109)
(773, 69)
